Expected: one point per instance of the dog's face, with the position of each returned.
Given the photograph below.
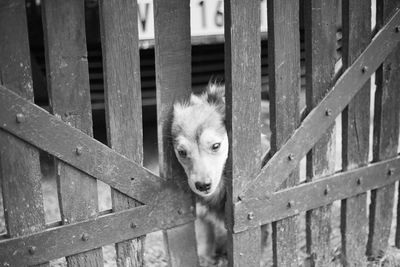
(200, 141)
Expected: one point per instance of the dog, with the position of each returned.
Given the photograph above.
(201, 146)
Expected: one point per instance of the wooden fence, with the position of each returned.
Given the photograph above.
(260, 191)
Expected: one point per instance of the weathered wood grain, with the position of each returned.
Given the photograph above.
(112, 228)
(385, 136)
(312, 194)
(123, 102)
(69, 92)
(317, 122)
(56, 137)
(355, 132)
(243, 96)
(320, 49)
(284, 70)
(173, 83)
(19, 162)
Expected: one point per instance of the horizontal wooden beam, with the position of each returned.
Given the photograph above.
(320, 118)
(36, 126)
(83, 236)
(314, 194)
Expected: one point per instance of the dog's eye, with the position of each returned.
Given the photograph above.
(215, 147)
(182, 153)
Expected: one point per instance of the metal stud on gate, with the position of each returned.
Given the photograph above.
(328, 112)
(32, 250)
(78, 150)
(290, 204)
(359, 181)
(290, 157)
(20, 118)
(390, 171)
(364, 69)
(397, 29)
(85, 237)
(250, 216)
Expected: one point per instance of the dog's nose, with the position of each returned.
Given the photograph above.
(202, 186)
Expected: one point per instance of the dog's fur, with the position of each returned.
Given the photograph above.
(201, 146)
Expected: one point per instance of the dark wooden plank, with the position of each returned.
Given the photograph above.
(19, 162)
(56, 137)
(320, 49)
(284, 70)
(386, 136)
(69, 92)
(278, 168)
(243, 96)
(355, 132)
(173, 83)
(311, 195)
(115, 227)
(118, 25)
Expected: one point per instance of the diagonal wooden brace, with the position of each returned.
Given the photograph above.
(36, 126)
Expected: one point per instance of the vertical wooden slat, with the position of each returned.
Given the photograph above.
(19, 162)
(120, 46)
(243, 96)
(284, 70)
(173, 82)
(386, 135)
(68, 86)
(355, 132)
(320, 42)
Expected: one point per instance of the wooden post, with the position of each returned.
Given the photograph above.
(243, 96)
(386, 135)
(320, 46)
(355, 132)
(284, 84)
(19, 162)
(173, 80)
(68, 86)
(123, 102)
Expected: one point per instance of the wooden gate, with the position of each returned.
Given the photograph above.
(261, 189)
(268, 190)
(142, 201)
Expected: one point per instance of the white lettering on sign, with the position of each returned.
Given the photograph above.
(206, 18)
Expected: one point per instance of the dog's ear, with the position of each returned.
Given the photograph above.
(215, 93)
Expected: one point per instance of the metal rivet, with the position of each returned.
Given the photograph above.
(32, 250)
(359, 181)
(20, 117)
(328, 112)
(133, 225)
(291, 156)
(250, 216)
(241, 254)
(85, 237)
(364, 69)
(390, 171)
(180, 211)
(239, 198)
(326, 190)
(397, 29)
(290, 204)
(79, 150)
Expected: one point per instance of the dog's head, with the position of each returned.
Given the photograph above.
(200, 139)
